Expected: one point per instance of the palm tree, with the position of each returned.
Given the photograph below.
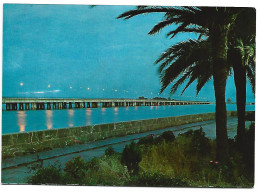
(217, 21)
(241, 55)
(191, 60)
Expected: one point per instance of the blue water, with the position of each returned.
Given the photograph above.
(22, 121)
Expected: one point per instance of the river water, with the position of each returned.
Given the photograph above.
(23, 121)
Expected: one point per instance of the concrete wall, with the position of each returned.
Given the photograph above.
(36, 141)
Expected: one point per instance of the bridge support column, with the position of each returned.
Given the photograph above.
(59, 105)
(21, 106)
(27, 106)
(7, 106)
(70, 105)
(104, 104)
(42, 106)
(64, 105)
(95, 104)
(88, 104)
(33, 107)
(14, 106)
(38, 106)
(81, 105)
(48, 106)
(54, 105)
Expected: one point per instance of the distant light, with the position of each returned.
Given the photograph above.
(49, 86)
(70, 87)
(88, 88)
(21, 84)
(115, 90)
(80, 87)
(103, 89)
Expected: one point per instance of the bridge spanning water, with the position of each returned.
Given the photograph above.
(64, 103)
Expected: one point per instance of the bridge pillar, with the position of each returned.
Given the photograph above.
(37, 106)
(88, 104)
(84, 104)
(27, 106)
(42, 106)
(32, 106)
(7, 106)
(54, 105)
(94, 104)
(81, 105)
(14, 106)
(59, 105)
(48, 106)
(70, 105)
(21, 106)
(64, 105)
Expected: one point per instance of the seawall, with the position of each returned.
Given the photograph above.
(36, 141)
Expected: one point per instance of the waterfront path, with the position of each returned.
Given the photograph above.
(16, 170)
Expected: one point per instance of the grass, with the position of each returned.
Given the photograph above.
(184, 161)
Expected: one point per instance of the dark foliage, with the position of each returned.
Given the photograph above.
(148, 140)
(199, 143)
(109, 151)
(51, 174)
(75, 170)
(156, 180)
(168, 136)
(131, 157)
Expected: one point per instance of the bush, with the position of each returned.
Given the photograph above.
(131, 157)
(156, 180)
(107, 170)
(75, 170)
(199, 143)
(168, 136)
(148, 140)
(109, 151)
(51, 174)
(187, 133)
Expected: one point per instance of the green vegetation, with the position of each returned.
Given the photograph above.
(184, 161)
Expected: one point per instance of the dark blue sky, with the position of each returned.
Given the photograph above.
(78, 51)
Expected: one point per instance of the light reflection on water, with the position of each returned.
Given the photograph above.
(88, 117)
(48, 114)
(70, 118)
(20, 121)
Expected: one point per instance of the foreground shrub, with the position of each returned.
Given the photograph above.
(131, 157)
(109, 151)
(107, 171)
(148, 140)
(199, 143)
(156, 180)
(51, 174)
(168, 136)
(75, 170)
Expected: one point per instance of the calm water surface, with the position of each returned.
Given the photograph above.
(21, 121)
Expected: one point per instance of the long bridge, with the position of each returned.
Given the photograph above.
(64, 103)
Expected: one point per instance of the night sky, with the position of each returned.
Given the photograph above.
(79, 51)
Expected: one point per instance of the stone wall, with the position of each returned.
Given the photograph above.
(36, 141)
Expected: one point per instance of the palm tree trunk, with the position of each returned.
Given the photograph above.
(219, 52)
(240, 82)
